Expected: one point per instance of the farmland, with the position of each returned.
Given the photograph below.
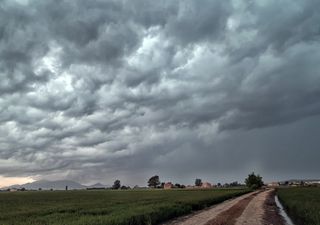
(105, 207)
(302, 204)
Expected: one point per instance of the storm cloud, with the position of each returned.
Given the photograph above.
(98, 90)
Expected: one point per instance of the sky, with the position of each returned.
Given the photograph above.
(94, 91)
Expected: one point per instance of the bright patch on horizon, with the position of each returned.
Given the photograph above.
(8, 181)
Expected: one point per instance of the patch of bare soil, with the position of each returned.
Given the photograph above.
(271, 212)
(229, 216)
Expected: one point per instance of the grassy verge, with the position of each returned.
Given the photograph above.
(141, 207)
(302, 204)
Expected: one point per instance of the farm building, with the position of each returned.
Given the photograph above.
(206, 185)
(168, 185)
(273, 184)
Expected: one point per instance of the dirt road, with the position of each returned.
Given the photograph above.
(257, 208)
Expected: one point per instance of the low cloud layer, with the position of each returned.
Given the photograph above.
(98, 90)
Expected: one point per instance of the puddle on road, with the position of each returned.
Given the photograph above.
(282, 212)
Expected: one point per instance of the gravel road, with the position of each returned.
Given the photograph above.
(256, 208)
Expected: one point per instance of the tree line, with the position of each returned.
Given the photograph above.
(253, 181)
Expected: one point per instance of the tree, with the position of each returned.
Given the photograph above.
(198, 182)
(234, 184)
(154, 181)
(254, 181)
(116, 184)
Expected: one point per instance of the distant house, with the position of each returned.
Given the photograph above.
(303, 182)
(168, 185)
(206, 185)
(273, 184)
(312, 182)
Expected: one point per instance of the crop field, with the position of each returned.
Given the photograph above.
(105, 207)
(302, 204)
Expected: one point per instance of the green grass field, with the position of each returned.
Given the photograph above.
(302, 204)
(105, 207)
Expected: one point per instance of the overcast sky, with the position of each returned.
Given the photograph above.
(101, 90)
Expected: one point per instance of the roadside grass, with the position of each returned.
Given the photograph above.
(107, 207)
(302, 204)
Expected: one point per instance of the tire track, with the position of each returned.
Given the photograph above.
(230, 216)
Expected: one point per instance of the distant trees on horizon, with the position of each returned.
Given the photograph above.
(254, 181)
(116, 184)
(198, 182)
(154, 181)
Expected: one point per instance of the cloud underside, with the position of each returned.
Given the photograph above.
(98, 89)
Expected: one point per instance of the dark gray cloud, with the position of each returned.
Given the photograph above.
(94, 90)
